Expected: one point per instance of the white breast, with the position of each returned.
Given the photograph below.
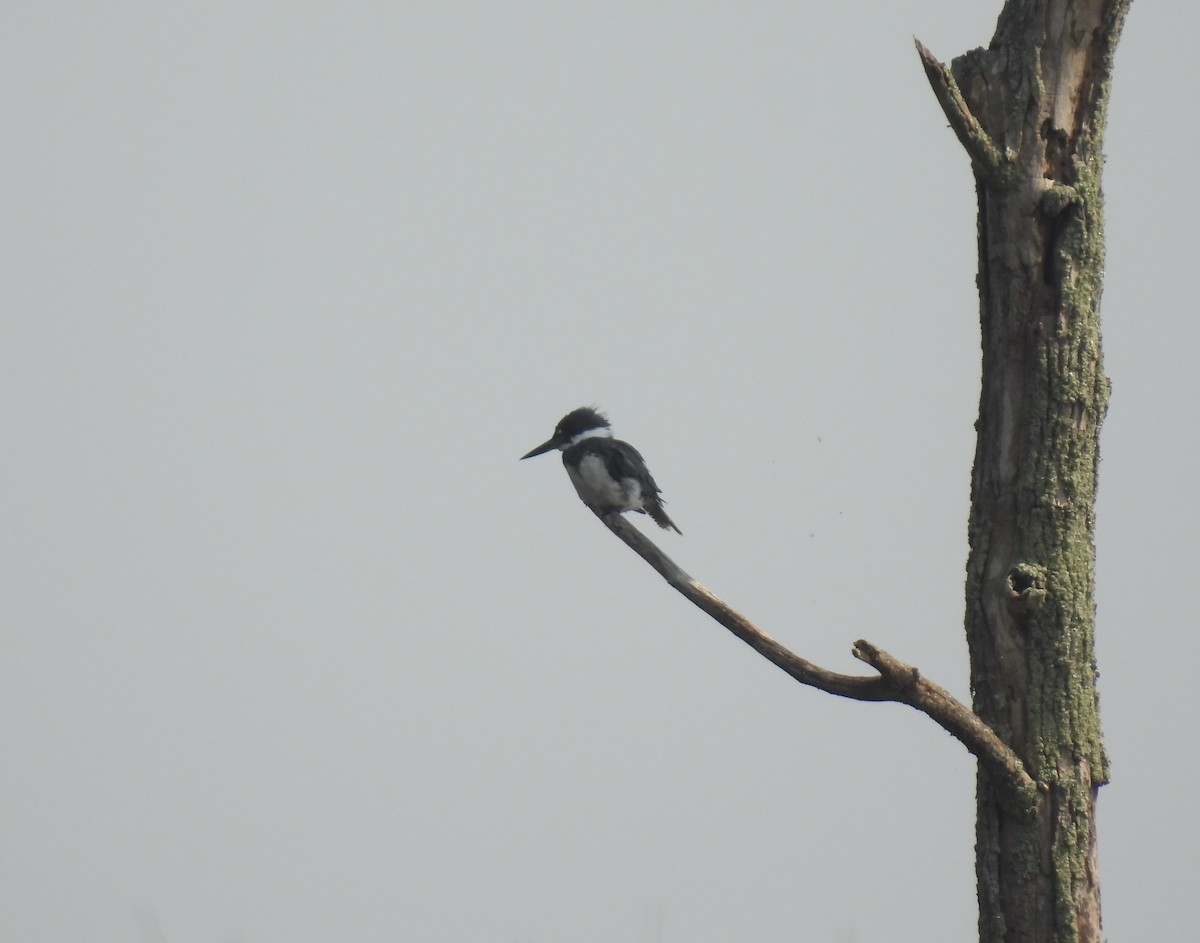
(598, 489)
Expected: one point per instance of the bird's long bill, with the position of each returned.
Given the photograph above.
(541, 449)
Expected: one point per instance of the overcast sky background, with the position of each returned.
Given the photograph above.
(295, 650)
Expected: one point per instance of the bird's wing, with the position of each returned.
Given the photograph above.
(624, 461)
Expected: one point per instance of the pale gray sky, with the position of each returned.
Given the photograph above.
(295, 650)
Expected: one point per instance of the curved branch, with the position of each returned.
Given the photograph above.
(985, 155)
(895, 681)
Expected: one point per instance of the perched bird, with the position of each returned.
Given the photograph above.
(609, 475)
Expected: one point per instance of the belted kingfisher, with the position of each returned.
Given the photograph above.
(609, 475)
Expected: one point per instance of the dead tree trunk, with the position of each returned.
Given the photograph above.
(1030, 112)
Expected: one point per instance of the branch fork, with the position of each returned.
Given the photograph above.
(895, 680)
(986, 155)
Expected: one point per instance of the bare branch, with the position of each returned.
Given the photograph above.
(985, 155)
(896, 681)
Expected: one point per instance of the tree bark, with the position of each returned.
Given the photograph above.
(1030, 112)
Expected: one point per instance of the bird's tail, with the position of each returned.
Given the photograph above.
(659, 516)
